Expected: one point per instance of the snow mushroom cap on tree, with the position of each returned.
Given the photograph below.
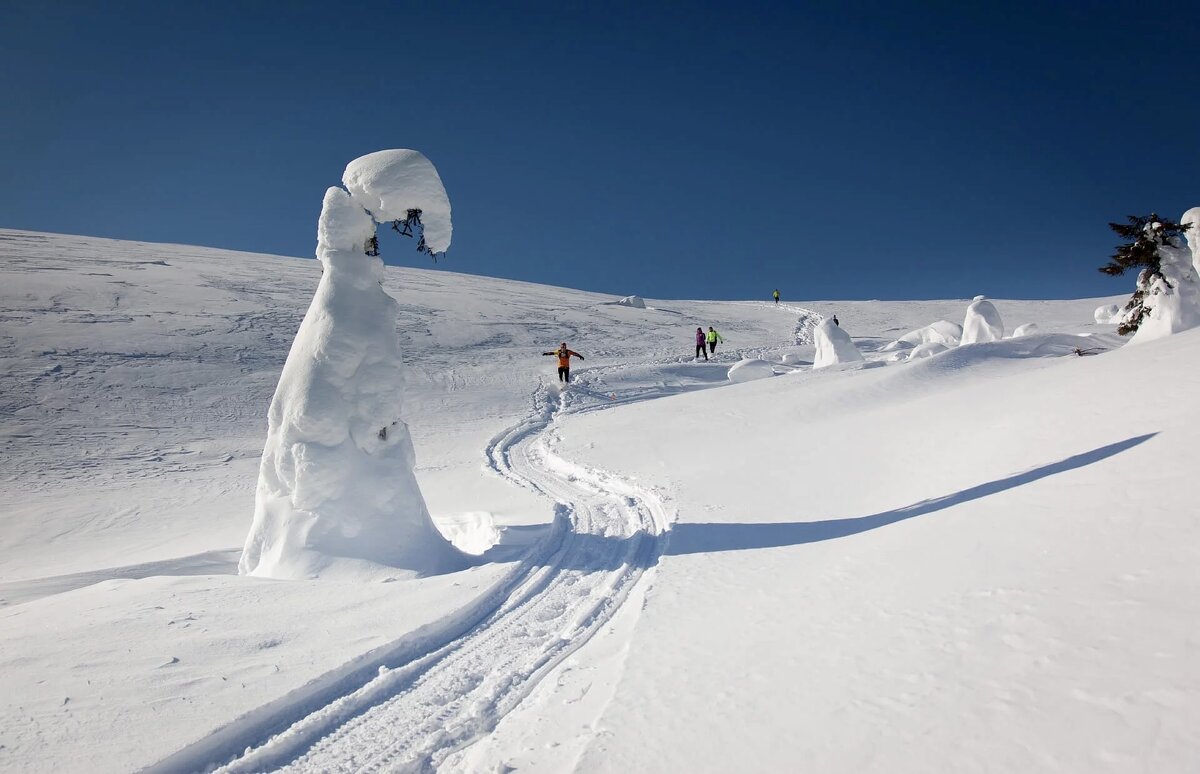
(389, 183)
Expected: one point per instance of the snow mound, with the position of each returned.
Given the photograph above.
(928, 349)
(790, 358)
(982, 322)
(833, 345)
(389, 183)
(637, 302)
(336, 493)
(942, 331)
(750, 369)
(1107, 314)
(1024, 330)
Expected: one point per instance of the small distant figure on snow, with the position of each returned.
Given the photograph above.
(775, 295)
(713, 337)
(564, 361)
(700, 342)
(835, 321)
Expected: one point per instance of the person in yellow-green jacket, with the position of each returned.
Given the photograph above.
(713, 337)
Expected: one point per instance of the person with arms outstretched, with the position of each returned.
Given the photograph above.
(564, 361)
(713, 337)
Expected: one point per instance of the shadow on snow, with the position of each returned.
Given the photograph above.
(594, 552)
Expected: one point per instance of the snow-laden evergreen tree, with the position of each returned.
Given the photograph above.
(1166, 298)
(336, 495)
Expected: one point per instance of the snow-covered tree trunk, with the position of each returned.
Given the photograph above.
(336, 494)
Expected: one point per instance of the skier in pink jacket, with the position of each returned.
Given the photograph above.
(701, 348)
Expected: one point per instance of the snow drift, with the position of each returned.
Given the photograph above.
(942, 332)
(336, 492)
(750, 369)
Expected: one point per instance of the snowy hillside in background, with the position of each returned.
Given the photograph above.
(980, 560)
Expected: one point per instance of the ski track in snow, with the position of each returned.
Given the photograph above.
(424, 704)
(607, 533)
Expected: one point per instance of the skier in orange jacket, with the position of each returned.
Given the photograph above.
(564, 361)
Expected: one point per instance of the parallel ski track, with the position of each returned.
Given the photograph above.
(607, 533)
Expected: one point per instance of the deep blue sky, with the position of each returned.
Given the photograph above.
(842, 150)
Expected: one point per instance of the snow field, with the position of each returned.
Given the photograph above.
(925, 565)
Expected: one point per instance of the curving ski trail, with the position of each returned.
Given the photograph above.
(607, 532)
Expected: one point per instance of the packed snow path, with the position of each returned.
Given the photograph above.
(606, 534)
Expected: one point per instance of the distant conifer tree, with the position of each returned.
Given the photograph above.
(1143, 237)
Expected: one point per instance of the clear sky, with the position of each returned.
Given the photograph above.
(672, 150)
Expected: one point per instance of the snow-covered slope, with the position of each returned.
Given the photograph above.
(980, 560)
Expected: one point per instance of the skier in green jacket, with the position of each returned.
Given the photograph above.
(713, 337)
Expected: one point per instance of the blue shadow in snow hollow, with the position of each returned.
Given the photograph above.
(706, 537)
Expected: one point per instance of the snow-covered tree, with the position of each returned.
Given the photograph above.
(1167, 295)
(833, 345)
(982, 322)
(336, 491)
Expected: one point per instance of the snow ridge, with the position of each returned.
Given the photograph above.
(607, 533)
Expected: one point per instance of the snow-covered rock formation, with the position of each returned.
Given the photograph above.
(1173, 300)
(942, 331)
(336, 492)
(1024, 330)
(750, 369)
(833, 345)
(982, 322)
(637, 302)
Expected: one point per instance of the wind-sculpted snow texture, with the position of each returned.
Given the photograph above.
(336, 491)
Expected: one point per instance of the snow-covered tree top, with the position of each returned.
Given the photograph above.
(389, 183)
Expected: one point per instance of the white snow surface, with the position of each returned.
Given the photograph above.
(389, 183)
(982, 322)
(941, 331)
(928, 349)
(750, 369)
(833, 345)
(1025, 330)
(864, 570)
